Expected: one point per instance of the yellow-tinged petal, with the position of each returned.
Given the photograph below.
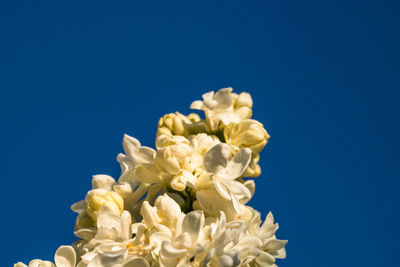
(111, 201)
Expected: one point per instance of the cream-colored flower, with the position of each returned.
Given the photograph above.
(172, 155)
(35, 263)
(137, 164)
(171, 159)
(201, 143)
(173, 124)
(224, 106)
(266, 233)
(101, 199)
(223, 238)
(65, 256)
(101, 195)
(182, 179)
(135, 152)
(166, 211)
(183, 204)
(187, 242)
(103, 181)
(114, 227)
(176, 237)
(111, 255)
(178, 124)
(223, 174)
(112, 244)
(246, 133)
(257, 246)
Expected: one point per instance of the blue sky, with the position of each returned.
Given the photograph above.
(324, 76)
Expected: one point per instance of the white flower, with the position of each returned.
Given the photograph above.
(187, 175)
(113, 227)
(257, 246)
(172, 158)
(99, 197)
(266, 233)
(224, 106)
(166, 211)
(183, 204)
(112, 244)
(137, 161)
(174, 237)
(65, 256)
(222, 178)
(246, 133)
(201, 143)
(225, 235)
(135, 152)
(103, 181)
(177, 124)
(35, 263)
(186, 243)
(114, 256)
(173, 124)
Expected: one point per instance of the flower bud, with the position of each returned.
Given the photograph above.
(197, 125)
(98, 199)
(149, 214)
(182, 179)
(246, 133)
(169, 209)
(244, 100)
(173, 124)
(165, 140)
(173, 158)
(193, 117)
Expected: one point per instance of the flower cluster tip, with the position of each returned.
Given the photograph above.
(183, 203)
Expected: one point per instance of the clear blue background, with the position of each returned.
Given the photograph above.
(324, 76)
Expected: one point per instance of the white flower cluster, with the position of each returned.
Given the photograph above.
(183, 204)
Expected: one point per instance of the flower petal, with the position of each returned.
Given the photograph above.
(238, 189)
(136, 262)
(103, 181)
(209, 200)
(149, 214)
(79, 206)
(40, 263)
(65, 257)
(275, 244)
(86, 233)
(193, 223)
(169, 207)
(216, 159)
(237, 165)
(197, 105)
(136, 152)
(265, 259)
(222, 190)
(144, 173)
(224, 98)
(225, 261)
(237, 206)
(168, 251)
